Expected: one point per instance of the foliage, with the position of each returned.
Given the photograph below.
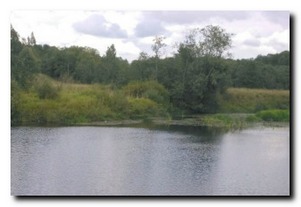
(87, 86)
(77, 103)
(15, 102)
(147, 89)
(141, 107)
(202, 72)
(274, 115)
(260, 74)
(224, 120)
(282, 58)
(45, 88)
(215, 41)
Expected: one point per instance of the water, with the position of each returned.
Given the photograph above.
(140, 161)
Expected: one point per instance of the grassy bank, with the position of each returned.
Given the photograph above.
(243, 100)
(226, 122)
(53, 102)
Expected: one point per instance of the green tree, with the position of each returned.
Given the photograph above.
(215, 41)
(88, 66)
(203, 72)
(31, 40)
(141, 69)
(15, 43)
(28, 63)
(111, 52)
(114, 68)
(16, 47)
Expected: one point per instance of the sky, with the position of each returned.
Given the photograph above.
(131, 32)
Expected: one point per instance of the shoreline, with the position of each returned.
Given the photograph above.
(193, 122)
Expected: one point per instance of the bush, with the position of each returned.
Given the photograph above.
(147, 89)
(274, 115)
(142, 107)
(45, 87)
(47, 90)
(223, 120)
(253, 118)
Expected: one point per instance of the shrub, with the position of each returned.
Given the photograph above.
(147, 89)
(224, 120)
(274, 115)
(45, 87)
(142, 107)
(47, 90)
(253, 118)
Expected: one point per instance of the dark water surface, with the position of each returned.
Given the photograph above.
(140, 161)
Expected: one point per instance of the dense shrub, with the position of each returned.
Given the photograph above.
(147, 89)
(47, 91)
(141, 107)
(274, 115)
(45, 87)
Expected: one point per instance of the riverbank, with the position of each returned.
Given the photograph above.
(55, 103)
(224, 121)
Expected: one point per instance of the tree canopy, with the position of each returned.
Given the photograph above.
(193, 77)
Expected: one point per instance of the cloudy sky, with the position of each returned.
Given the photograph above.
(132, 32)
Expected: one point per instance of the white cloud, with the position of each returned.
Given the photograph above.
(97, 25)
(150, 28)
(133, 31)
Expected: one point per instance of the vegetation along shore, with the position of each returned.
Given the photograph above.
(200, 85)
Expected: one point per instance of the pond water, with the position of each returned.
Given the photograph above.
(149, 161)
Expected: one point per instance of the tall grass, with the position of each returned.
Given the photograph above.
(79, 103)
(274, 115)
(242, 100)
(54, 102)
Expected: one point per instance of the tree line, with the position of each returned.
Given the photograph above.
(200, 69)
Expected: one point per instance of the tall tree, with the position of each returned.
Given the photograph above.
(157, 48)
(203, 73)
(16, 47)
(15, 43)
(111, 52)
(31, 40)
(215, 41)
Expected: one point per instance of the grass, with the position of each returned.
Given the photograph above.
(54, 102)
(274, 115)
(68, 103)
(242, 100)
(229, 121)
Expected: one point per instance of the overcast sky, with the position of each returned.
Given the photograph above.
(255, 32)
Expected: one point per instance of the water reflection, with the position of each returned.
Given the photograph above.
(147, 161)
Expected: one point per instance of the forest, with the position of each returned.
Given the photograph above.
(69, 85)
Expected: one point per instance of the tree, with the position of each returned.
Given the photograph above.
(110, 66)
(215, 41)
(31, 40)
(143, 56)
(211, 41)
(15, 43)
(111, 52)
(141, 69)
(157, 48)
(28, 63)
(88, 66)
(54, 62)
(203, 72)
(16, 47)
